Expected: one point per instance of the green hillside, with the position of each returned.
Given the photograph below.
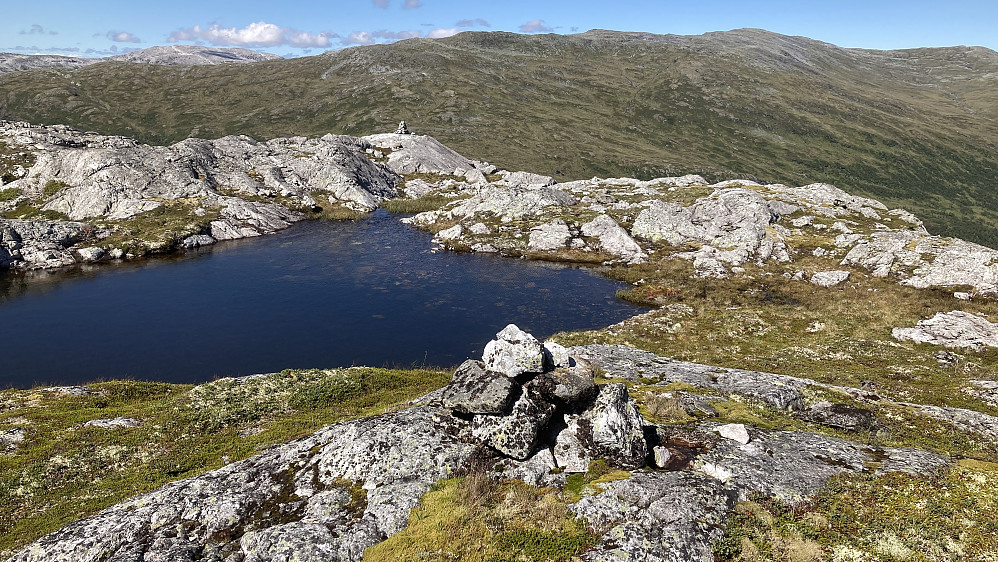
(914, 128)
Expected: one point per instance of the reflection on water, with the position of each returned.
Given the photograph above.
(319, 294)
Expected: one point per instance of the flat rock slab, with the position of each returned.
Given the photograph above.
(289, 503)
(620, 361)
(793, 465)
(956, 329)
(829, 278)
(657, 517)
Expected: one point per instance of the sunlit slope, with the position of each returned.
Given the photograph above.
(914, 128)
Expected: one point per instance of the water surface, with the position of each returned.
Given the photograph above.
(320, 294)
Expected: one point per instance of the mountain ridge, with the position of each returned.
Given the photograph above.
(171, 55)
(914, 128)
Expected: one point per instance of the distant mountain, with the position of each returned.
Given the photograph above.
(191, 55)
(913, 128)
(13, 62)
(171, 55)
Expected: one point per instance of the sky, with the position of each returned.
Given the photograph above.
(98, 28)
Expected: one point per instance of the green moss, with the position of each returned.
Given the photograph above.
(159, 230)
(9, 193)
(409, 206)
(477, 519)
(890, 517)
(27, 211)
(53, 186)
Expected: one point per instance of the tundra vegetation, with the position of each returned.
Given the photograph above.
(732, 289)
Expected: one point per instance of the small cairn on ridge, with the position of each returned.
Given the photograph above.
(403, 129)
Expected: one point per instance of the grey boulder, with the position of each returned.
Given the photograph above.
(613, 429)
(474, 390)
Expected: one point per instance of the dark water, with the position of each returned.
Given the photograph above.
(319, 294)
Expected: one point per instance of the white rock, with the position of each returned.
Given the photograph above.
(829, 278)
(113, 423)
(514, 352)
(451, 233)
(662, 456)
(735, 432)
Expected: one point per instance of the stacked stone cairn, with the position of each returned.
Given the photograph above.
(527, 399)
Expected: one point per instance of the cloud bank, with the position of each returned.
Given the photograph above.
(385, 36)
(256, 34)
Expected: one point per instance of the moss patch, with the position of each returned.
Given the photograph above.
(477, 519)
(859, 517)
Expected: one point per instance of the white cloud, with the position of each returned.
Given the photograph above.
(411, 4)
(536, 26)
(385, 36)
(122, 37)
(477, 22)
(382, 35)
(256, 34)
(382, 3)
(443, 32)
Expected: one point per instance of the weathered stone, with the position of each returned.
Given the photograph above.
(452, 233)
(614, 239)
(734, 431)
(612, 428)
(526, 179)
(569, 452)
(11, 438)
(38, 244)
(662, 456)
(842, 416)
(884, 253)
(514, 434)
(829, 278)
(514, 352)
(956, 329)
(538, 470)
(569, 385)
(552, 235)
(402, 129)
(656, 517)
(269, 497)
(793, 465)
(782, 391)
(419, 154)
(732, 222)
(474, 390)
(954, 263)
(113, 423)
(965, 420)
(197, 241)
(511, 203)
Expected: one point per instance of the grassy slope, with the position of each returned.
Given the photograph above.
(913, 128)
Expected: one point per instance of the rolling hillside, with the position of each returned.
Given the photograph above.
(913, 128)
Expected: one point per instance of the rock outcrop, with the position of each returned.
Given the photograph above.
(351, 485)
(956, 329)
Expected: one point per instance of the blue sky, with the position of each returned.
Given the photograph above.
(296, 28)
